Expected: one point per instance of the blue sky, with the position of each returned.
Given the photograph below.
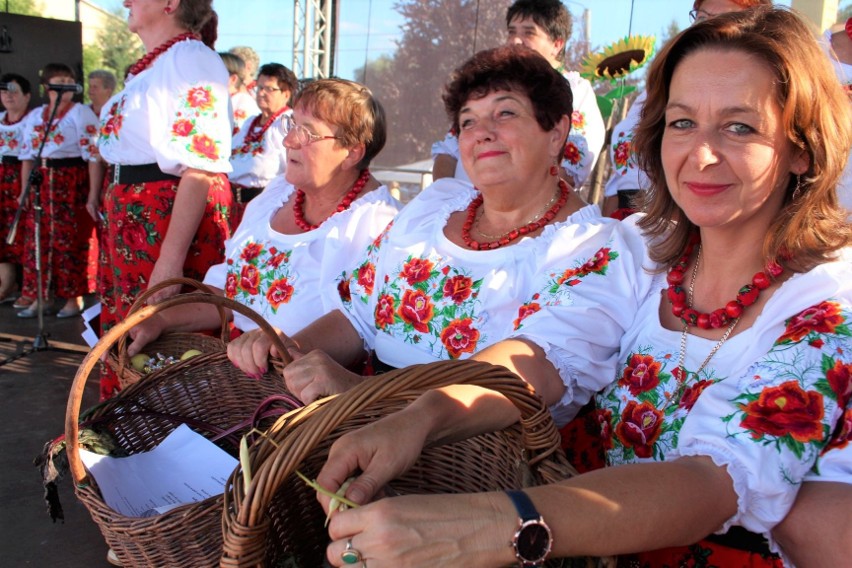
(368, 28)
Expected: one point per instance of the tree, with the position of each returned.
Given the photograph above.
(119, 47)
(24, 7)
(844, 13)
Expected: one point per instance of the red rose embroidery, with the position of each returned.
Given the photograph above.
(569, 277)
(639, 428)
(578, 120)
(231, 285)
(384, 311)
(691, 394)
(91, 129)
(250, 251)
(205, 146)
(597, 262)
(572, 153)
(343, 290)
(249, 278)
(458, 288)
(459, 337)
(822, 318)
(622, 153)
(641, 374)
(604, 418)
(133, 236)
(843, 433)
(416, 309)
(785, 410)
(840, 379)
(367, 277)
(526, 311)
(182, 128)
(58, 138)
(416, 270)
(279, 293)
(199, 98)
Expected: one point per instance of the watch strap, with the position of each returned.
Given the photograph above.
(523, 505)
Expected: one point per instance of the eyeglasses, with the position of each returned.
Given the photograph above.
(269, 89)
(699, 15)
(302, 136)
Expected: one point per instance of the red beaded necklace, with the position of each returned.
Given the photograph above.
(299, 202)
(7, 122)
(146, 60)
(514, 234)
(721, 317)
(253, 135)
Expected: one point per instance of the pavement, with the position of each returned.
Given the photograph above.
(33, 396)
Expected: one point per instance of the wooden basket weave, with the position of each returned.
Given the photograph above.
(278, 517)
(170, 344)
(207, 389)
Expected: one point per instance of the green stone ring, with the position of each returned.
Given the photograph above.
(350, 555)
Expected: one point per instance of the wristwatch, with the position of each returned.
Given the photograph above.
(533, 540)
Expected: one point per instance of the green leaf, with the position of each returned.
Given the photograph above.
(605, 105)
(619, 92)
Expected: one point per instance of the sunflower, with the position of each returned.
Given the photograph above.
(618, 59)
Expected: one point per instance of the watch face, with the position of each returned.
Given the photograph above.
(534, 541)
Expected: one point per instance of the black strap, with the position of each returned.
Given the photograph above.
(62, 162)
(245, 194)
(742, 539)
(143, 173)
(11, 160)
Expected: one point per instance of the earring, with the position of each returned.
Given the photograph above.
(554, 171)
(798, 189)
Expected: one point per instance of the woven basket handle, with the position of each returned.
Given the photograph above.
(72, 411)
(142, 301)
(317, 421)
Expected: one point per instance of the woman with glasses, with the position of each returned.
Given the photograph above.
(258, 153)
(627, 180)
(298, 238)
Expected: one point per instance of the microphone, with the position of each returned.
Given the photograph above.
(60, 88)
(11, 87)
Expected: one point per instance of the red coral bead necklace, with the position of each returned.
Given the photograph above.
(682, 305)
(537, 223)
(299, 202)
(146, 60)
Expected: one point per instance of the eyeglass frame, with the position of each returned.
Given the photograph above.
(298, 128)
(693, 15)
(269, 89)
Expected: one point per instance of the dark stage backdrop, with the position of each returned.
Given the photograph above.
(28, 43)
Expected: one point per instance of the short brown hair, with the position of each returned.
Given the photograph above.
(199, 17)
(811, 227)
(513, 68)
(550, 15)
(352, 108)
(741, 3)
(53, 70)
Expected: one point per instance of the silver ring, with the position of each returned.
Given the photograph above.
(351, 555)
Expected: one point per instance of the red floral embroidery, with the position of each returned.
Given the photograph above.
(205, 146)
(458, 288)
(200, 98)
(840, 379)
(367, 277)
(133, 235)
(597, 262)
(526, 311)
(639, 428)
(578, 120)
(569, 277)
(843, 433)
(416, 309)
(604, 418)
(459, 337)
(183, 128)
(249, 278)
(641, 374)
(231, 285)
(279, 293)
(572, 153)
(343, 291)
(251, 251)
(384, 311)
(785, 410)
(691, 394)
(822, 318)
(622, 153)
(416, 270)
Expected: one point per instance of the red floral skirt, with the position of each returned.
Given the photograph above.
(703, 554)
(65, 230)
(10, 191)
(137, 217)
(582, 440)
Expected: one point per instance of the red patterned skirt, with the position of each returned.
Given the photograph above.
(706, 553)
(65, 230)
(137, 217)
(10, 191)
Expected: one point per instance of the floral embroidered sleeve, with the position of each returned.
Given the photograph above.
(588, 130)
(190, 106)
(770, 425)
(87, 128)
(449, 145)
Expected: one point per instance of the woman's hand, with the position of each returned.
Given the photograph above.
(144, 333)
(92, 207)
(420, 530)
(250, 352)
(163, 271)
(316, 375)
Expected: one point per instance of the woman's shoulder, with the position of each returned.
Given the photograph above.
(192, 59)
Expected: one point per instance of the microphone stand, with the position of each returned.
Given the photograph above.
(33, 184)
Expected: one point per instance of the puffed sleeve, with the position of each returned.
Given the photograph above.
(626, 174)
(588, 131)
(449, 145)
(583, 305)
(189, 111)
(29, 138)
(86, 123)
(769, 424)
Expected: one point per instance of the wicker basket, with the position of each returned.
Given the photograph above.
(278, 516)
(171, 344)
(208, 393)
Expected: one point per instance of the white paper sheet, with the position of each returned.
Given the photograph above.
(90, 335)
(184, 468)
